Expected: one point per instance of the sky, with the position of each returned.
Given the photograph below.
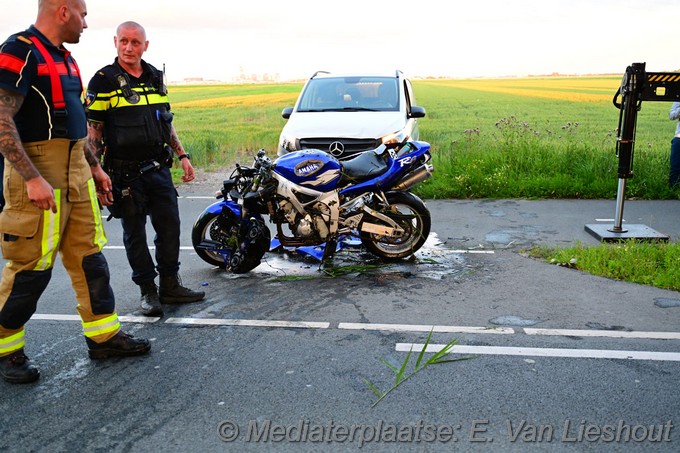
(220, 39)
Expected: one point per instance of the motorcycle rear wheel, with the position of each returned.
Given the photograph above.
(412, 215)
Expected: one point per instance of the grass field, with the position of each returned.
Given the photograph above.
(528, 138)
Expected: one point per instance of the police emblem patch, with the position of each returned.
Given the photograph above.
(89, 98)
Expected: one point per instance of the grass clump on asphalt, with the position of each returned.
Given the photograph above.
(653, 264)
(402, 374)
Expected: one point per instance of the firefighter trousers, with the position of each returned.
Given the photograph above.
(31, 238)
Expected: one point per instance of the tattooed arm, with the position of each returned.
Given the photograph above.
(177, 147)
(40, 192)
(95, 143)
(94, 149)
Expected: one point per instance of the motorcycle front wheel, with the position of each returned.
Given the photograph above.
(216, 241)
(413, 217)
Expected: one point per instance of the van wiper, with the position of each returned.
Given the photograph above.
(352, 109)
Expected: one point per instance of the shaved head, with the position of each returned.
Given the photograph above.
(50, 5)
(61, 20)
(131, 25)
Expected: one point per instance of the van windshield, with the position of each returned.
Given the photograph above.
(353, 94)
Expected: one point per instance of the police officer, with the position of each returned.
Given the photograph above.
(131, 125)
(674, 175)
(51, 182)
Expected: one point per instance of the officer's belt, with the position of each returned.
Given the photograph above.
(133, 166)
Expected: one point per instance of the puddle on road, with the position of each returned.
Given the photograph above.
(433, 261)
(514, 321)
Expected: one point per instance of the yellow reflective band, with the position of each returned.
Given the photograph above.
(146, 99)
(99, 105)
(12, 343)
(101, 326)
(99, 233)
(115, 99)
(50, 236)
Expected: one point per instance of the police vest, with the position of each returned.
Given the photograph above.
(138, 121)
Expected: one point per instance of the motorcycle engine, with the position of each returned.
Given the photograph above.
(311, 224)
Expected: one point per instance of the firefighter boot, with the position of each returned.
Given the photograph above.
(151, 304)
(120, 345)
(172, 292)
(18, 369)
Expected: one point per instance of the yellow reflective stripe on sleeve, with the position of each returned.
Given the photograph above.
(99, 105)
(99, 233)
(12, 343)
(50, 236)
(101, 326)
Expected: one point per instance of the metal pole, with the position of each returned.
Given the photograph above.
(631, 87)
(618, 220)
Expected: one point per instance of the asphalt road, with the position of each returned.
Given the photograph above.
(563, 361)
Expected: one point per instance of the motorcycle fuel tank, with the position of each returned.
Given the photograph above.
(310, 168)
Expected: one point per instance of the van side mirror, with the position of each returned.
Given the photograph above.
(417, 112)
(287, 112)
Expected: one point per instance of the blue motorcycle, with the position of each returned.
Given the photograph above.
(313, 199)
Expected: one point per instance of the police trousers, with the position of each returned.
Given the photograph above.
(31, 237)
(156, 197)
(674, 175)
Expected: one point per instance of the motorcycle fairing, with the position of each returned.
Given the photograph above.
(216, 207)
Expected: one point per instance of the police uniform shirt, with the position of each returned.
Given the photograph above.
(23, 70)
(134, 111)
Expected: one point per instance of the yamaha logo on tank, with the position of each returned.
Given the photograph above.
(308, 167)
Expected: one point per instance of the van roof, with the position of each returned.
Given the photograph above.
(326, 74)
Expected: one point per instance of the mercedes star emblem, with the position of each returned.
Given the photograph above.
(336, 149)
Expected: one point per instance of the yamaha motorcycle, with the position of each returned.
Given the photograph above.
(314, 199)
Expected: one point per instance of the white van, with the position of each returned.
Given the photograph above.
(347, 114)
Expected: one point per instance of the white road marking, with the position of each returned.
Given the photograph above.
(186, 247)
(151, 247)
(248, 323)
(544, 352)
(424, 328)
(53, 317)
(457, 349)
(604, 333)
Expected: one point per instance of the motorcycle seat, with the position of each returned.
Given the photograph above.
(365, 166)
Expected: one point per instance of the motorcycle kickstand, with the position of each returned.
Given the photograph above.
(329, 250)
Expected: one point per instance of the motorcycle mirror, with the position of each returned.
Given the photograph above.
(380, 149)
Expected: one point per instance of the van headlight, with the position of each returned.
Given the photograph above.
(397, 137)
(287, 144)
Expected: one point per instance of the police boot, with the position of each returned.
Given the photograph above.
(120, 345)
(151, 304)
(172, 292)
(18, 369)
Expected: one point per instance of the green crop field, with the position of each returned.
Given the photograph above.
(503, 138)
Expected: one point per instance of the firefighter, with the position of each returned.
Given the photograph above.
(52, 185)
(130, 123)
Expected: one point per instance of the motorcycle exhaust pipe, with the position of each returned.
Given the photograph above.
(417, 176)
